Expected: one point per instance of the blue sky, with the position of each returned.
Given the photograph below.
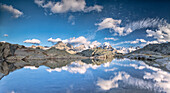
(142, 21)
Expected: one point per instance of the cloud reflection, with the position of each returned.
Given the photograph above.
(155, 80)
(75, 67)
(127, 80)
(31, 67)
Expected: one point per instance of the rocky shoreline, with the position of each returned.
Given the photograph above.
(154, 54)
(157, 55)
(17, 52)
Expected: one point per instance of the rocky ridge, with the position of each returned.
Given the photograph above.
(157, 54)
(59, 51)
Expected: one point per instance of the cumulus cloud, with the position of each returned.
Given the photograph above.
(32, 41)
(68, 6)
(79, 40)
(5, 35)
(95, 43)
(114, 39)
(16, 13)
(110, 23)
(54, 40)
(162, 34)
(76, 41)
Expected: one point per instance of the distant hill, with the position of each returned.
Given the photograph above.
(154, 49)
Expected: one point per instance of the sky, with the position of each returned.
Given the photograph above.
(120, 23)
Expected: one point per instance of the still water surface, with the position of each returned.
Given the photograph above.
(116, 76)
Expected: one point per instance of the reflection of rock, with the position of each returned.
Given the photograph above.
(75, 67)
(96, 61)
(55, 64)
(7, 67)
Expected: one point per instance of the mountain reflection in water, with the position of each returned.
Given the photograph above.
(87, 76)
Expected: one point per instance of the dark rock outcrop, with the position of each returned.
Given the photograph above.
(7, 49)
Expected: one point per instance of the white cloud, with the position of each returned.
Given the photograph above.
(71, 19)
(95, 43)
(16, 13)
(110, 23)
(145, 23)
(114, 39)
(131, 42)
(79, 40)
(54, 40)
(5, 35)
(106, 44)
(162, 34)
(68, 6)
(76, 41)
(137, 41)
(39, 2)
(32, 41)
(3, 41)
(97, 8)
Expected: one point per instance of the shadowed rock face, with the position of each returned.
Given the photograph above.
(7, 49)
